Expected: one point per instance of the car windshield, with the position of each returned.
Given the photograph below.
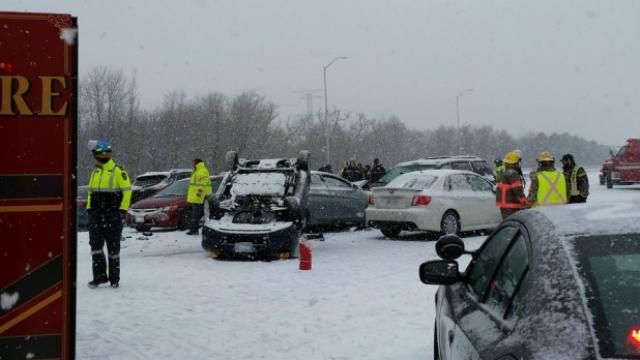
(178, 188)
(611, 266)
(149, 180)
(399, 170)
(259, 183)
(412, 181)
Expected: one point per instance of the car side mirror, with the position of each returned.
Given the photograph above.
(450, 247)
(440, 272)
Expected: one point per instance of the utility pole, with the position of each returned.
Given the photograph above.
(326, 110)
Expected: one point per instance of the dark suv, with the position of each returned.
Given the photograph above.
(469, 163)
(151, 182)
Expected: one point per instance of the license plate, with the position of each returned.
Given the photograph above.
(244, 248)
(140, 219)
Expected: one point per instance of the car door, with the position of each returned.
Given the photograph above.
(459, 193)
(484, 200)
(486, 306)
(319, 201)
(348, 201)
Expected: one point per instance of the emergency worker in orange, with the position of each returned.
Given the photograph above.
(510, 196)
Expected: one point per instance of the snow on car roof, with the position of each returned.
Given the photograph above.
(282, 163)
(154, 173)
(436, 172)
(593, 219)
(438, 160)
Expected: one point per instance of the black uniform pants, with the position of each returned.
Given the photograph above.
(105, 227)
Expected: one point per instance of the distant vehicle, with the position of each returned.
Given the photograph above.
(259, 211)
(82, 216)
(467, 162)
(444, 201)
(550, 283)
(168, 208)
(151, 182)
(623, 168)
(333, 201)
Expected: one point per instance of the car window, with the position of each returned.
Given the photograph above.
(479, 184)
(316, 181)
(445, 166)
(481, 168)
(504, 284)
(483, 266)
(399, 170)
(459, 182)
(333, 182)
(183, 176)
(461, 165)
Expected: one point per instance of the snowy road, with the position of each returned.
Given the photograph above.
(362, 300)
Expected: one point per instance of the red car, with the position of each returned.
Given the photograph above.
(168, 208)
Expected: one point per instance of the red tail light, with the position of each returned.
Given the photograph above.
(371, 202)
(421, 200)
(634, 335)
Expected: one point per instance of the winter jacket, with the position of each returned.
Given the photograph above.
(377, 172)
(199, 185)
(548, 187)
(510, 190)
(577, 181)
(352, 174)
(109, 188)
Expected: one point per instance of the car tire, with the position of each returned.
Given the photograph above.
(450, 223)
(609, 180)
(143, 228)
(391, 231)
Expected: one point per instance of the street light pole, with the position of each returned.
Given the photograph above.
(326, 110)
(458, 119)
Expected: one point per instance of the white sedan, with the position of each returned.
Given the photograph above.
(444, 201)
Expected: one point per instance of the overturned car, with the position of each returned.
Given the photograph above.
(259, 209)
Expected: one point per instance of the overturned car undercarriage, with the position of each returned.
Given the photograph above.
(259, 210)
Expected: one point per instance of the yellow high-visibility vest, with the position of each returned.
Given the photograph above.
(110, 178)
(552, 188)
(199, 185)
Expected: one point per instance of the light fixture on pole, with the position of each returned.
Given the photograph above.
(458, 118)
(326, 109)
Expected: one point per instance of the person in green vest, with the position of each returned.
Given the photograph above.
(577, 180)
(199, 188)
(108, 199)
(499, 168)
(548, 185)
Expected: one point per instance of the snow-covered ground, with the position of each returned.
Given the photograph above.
(362, 300)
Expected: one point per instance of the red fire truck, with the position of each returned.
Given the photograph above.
(38, 112)
(623, 168)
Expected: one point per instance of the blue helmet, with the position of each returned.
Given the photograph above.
(99, 146)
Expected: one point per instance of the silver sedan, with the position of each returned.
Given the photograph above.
(444, 201)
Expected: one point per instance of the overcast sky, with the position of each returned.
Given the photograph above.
(553, 66)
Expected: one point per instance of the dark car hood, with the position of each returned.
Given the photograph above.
(159, 202)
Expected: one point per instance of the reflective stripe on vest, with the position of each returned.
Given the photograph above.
(551, 192)
(574, 181)
(504, 188)
(110, 187)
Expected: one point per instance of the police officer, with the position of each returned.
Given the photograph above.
(108, 199)
(548, 185)
(199, 188)
(576, 178)
(510, 188)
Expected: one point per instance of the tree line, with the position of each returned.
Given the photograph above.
(182, 128)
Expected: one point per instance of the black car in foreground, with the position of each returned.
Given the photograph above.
(553, 283)
(259, 210)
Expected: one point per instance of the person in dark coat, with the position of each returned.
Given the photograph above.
(377, 171)
(352, 173)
